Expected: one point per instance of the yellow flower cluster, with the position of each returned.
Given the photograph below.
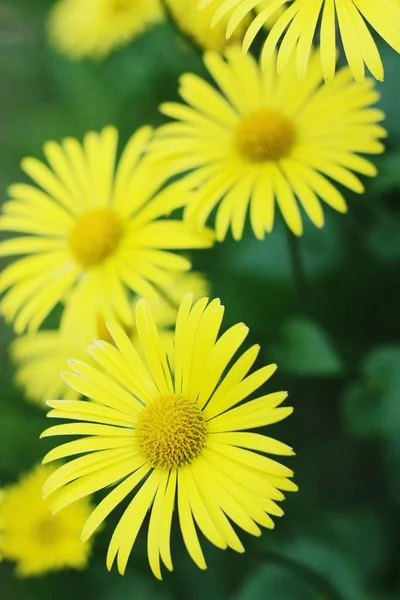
(159, 403)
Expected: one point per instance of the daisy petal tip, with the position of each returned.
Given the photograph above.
(142, 303)
(100, 343)
(84, 535)
(188, 297)
(64, 375)
(298, 230)
(73, 363)
(157, 573)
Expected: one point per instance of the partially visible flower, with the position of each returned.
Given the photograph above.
(33, 538)
(300, 20)
(196, 24)
(94, 234)
(166, 434)
(92, 28)
(265, 140)
(41, 357)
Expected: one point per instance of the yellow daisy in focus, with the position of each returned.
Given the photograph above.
(265, 138)
(197, 25)
(93, 234)
(302, 19)
(32, 537)
(41, 357)
(92, 28)
(162, 435)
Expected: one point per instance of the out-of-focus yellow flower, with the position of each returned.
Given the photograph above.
(41, 357)
(32, 537)
(196, 24)
(164, 434)
(92, 28)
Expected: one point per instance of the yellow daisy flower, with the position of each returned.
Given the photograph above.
(32, 537)
(92, 28)
(93, 234)
(171, 433)
(197, 25)
(41, 357)
(299, 22)
(267, 138)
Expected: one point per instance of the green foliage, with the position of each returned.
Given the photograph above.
(307, 350)
(371, 406)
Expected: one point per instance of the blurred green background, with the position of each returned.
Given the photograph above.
(324, 307)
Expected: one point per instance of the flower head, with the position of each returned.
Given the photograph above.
(92, 28)
(299, 21)
(41, 357)
(266, 139)
(197, 25)
(36, 540)
(93, 235)
(162, 433)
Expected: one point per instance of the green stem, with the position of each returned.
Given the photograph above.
(299, 276)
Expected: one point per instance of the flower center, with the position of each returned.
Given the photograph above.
(120, 6)
(171, 431)
(95, 236)
(47, 532)
(264, 135)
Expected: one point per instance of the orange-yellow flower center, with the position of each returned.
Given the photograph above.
(120, 6)
(264, 135)
(48, 531)
(171, 431)
(95, 236)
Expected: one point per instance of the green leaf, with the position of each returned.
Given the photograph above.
(307, 350)
(20, 445)
(383, 239)
(329, 563)
(273, 582)
(370, 406)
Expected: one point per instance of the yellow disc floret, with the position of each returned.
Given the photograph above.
(171, 431)
(264, 135)
(48, 531)
(95, 236)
